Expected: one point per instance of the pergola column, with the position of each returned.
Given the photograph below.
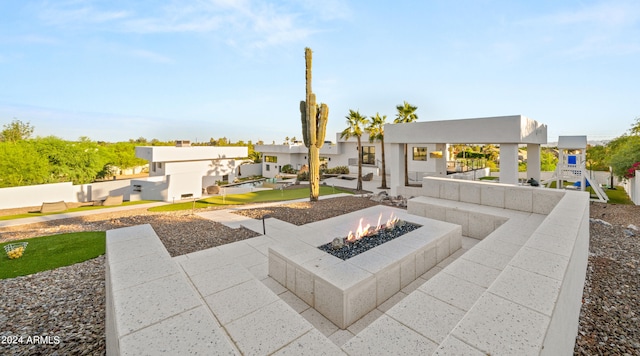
(509, 163)
(441, 163)
(395, 159)
(533, 161)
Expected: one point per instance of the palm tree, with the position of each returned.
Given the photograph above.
(406, 113)
(376, 132)
(356, 123)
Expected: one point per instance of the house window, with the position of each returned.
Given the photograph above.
(272, 159)
(153, 167)
(369, 155)
(159, 165)
(268, 167)
(419, 153)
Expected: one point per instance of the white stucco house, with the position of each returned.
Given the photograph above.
(183, 172)
(508, 132)
(427, 148)
(342, 152)
(274, 156)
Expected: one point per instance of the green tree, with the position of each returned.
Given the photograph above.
(376, 132)
(121, 155)
(21, 164)
(548, 161)
(406, 113)
(598, 158)
(635, 127)
(625, 155)
(79, 162)
(16, 131)
(255, 156)
(355, 125)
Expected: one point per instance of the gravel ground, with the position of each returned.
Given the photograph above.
(66, 304)
(69, 302)
(609, 322)
(307, 212)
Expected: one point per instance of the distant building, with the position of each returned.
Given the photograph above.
(427, 149)
(184, 171)
(343, 153)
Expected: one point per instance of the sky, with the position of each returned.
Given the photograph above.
(194, 70)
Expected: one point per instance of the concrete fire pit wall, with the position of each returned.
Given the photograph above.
(564, 233)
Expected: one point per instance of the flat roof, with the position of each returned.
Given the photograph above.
(576, 142)
(517, 129)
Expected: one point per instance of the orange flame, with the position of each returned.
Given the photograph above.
(368, 230)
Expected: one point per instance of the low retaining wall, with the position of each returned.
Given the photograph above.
(533, 305)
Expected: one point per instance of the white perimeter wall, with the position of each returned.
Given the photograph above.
(248, 170)
(632, 186)
(35, 195)
(101, 190)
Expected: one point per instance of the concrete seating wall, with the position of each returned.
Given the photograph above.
(474, 223)
(149, 300)
(540, 284)
(528, 199)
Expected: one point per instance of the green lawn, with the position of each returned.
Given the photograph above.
(253, 197)
(50, 252)
(616, 196)
(82, 208)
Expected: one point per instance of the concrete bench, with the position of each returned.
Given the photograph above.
(518, 291)
(112, 200)
(149, 299)
(53, 207)
(200, 303)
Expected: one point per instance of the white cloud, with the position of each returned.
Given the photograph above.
(327, 9)
(605, 28)
(36, 39)
(607, 13)
(154, 57)
(77, 13)
(246, 23)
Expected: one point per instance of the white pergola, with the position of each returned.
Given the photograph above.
(506, 131)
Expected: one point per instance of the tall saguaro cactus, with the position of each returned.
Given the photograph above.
(314, 127)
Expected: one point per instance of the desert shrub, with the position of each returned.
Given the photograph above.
(304, 176)
(287, 168)
(337, 170)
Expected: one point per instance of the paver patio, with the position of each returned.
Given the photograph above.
(447, 310)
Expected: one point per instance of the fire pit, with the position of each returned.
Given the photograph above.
(345, 290)
(367, 237)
